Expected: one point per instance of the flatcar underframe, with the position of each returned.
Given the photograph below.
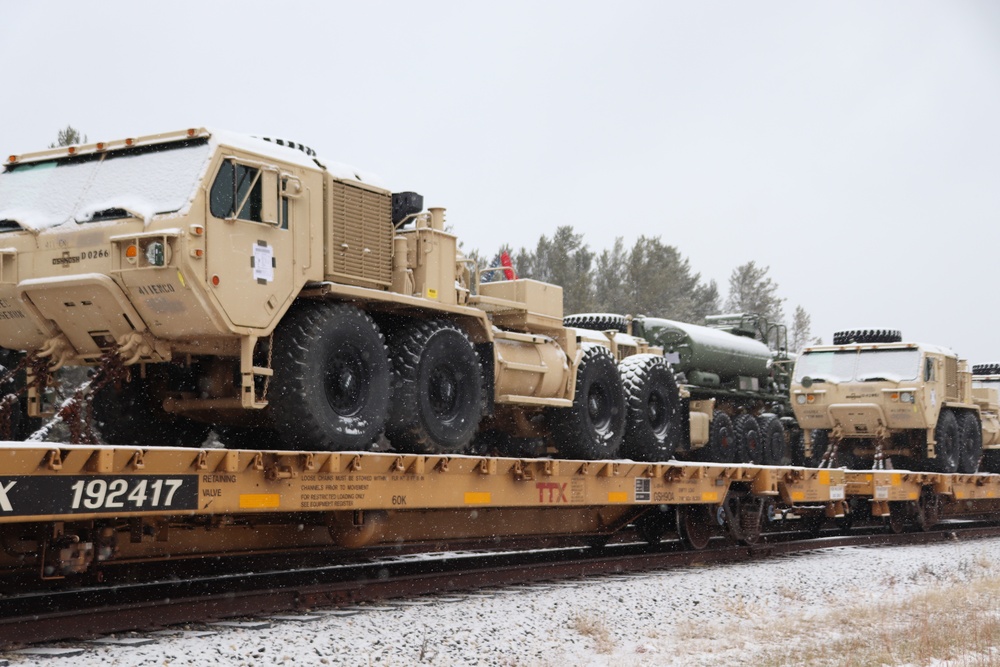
(72, 509)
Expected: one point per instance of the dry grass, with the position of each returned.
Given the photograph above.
(594, 628)
(954, 622)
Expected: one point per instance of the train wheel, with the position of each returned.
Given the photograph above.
(131, 412)
(722, 447)
(694, 525)
(970, 443)
(773, 436)
(593, 427)
(898, 514)
(330, 389)
(928, 509)
(652, 408)
(597, 322)
(947, 448)
(656, 523)
(437, 399)
(748, 436)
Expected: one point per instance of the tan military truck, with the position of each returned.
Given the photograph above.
(870, 397)
(288, 302)
(986, 394)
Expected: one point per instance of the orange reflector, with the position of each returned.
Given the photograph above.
(895, 395)
(191, 132)
(197, 230)
(197, 252)
(131, 252)
(215, 280)
(12, 158)
(100, 145)
(72, 149)
(811, 398)
(129, 142)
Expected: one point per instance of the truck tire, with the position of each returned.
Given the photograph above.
(986, 369)
(867, 336)
(131, 412)
(772, 433)
(970, 443)
(722, 445)
(594, 426)
(947, 447)
(331, 383)
(18, 426)
(820, 442)
(749, 439)
(991, 461)
(597, 322)
(437, 382)
(652, 408)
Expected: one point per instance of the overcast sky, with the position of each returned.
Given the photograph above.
(852, 147)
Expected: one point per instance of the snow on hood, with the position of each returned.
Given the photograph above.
(45, 194)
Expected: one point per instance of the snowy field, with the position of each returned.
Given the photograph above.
(783, 611)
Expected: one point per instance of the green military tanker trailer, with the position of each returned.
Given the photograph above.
(732, 380)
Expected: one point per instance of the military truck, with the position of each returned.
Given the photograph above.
(215, 280)
(986, 394)
(729, 398)
(870, 397)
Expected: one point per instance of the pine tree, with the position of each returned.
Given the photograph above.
(69, 137)
(800, 334)
(752, 291)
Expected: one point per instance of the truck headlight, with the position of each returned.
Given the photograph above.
(155, 254)
(800, 399)
(906, 396)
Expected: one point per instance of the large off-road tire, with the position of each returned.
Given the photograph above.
(722, 447)
(248, 437)
(331, 384)
(986, 369)
(19, 425)
(970, 443)
(437, 388)
(597, 322)
(947, 447)
(652, 408)
(131, 412)
(772, 433)
(991, 461)
(820, 442)
(867, 336)
(748, 435)
(594, 426)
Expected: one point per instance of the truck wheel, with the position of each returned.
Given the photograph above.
(248, 437)
(652, 408)
(597, 322)
(131, 412)
(867, 336)
(986, 369)
(991, 461)
(331, 384)
(437, 388)
(748, 436)
(970, 443)
(722, 445)
(820, 442)
(946, 436)
(595, 424)
(772, 433)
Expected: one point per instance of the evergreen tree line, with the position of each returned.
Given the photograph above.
(649, 278)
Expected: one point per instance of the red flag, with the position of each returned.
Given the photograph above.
(508, 272)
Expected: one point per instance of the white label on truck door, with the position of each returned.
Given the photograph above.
(263, 262)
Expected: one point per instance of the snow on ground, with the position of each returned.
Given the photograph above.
(711, 615)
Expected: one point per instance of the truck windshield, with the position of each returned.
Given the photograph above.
(858, 365)
(142, 181)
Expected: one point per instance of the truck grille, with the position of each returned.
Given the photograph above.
(360, 239)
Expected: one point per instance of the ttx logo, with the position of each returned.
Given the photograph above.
(557, 492)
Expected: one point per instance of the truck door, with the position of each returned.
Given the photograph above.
(248, 242)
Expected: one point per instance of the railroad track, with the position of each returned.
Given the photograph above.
(249, 591)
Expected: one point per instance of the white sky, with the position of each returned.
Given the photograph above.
(853, 147)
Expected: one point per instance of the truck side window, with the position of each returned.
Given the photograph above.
(929, 370)
(284, 205)
(236, 192)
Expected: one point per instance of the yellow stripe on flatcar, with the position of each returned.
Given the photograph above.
(618, 497)
(710, 496)
(824, 477)
(259, 500)
(475, 498)
(798, 495)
